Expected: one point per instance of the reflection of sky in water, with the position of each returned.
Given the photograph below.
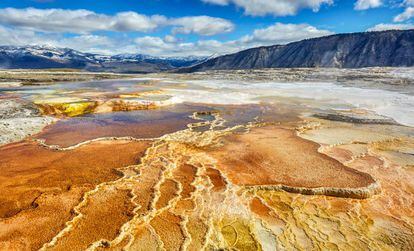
(74, 88)
(316, 95)
(131, 116)
(396, 105)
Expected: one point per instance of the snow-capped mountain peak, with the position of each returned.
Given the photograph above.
(46, 56)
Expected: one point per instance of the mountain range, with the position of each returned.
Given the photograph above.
(393, 48)
(42, 57)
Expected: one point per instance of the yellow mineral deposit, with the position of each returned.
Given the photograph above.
(70, 107)
(95, 103)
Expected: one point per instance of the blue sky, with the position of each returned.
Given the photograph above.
(190, 27)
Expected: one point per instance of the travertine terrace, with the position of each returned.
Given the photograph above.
(210, 162)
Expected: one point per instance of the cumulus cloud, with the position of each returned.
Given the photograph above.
(218, 2)
(10, 36)
(89, 43)
(408, 2)
(54, 20)
(77, 29)
(84, 42)
(85, 21)
(408, 11)
(273, 7)
(162, 47)
(151, 45)
(278, 33)
(7, 36)
(170, 38)
(407, 14)
(132, 21)
(383, 27)
(168, 46)
(367, 4)
(203, 25)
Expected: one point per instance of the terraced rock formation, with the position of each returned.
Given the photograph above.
(263, 171)
(243, 187)
(274, 158)
(40, 187)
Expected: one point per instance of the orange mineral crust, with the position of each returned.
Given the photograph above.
(255, 186)
(272, 158)
(167, 227)
(100, 218)
(39, 187)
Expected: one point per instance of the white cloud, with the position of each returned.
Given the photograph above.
(132, 21)
(85, 21)
(407, 14)
(280, 33)
(383, 27)
(161, 47)
(54, 20)
(170, 39)
(273, 7)
(89, 43)
(203, 25)
(168, 46)
(85, 42)
(367, 4)
(218, 2)
(276, 34)
(10, 36)
(408, 11)
(51, 27)
(408, 3)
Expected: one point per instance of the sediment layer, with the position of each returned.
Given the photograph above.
(273, 158)
(248, 177)
(40, 187)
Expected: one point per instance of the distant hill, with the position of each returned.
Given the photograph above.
(41, 57)
(355, 50)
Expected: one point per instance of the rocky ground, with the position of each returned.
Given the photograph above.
(239, 165)
(376, 77)
(39, 77)
(19, 119)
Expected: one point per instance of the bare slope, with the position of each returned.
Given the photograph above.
(355, 50)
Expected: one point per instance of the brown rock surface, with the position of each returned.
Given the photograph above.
(39, 187)
(271, 156)
(101, 219)
(244, 188)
